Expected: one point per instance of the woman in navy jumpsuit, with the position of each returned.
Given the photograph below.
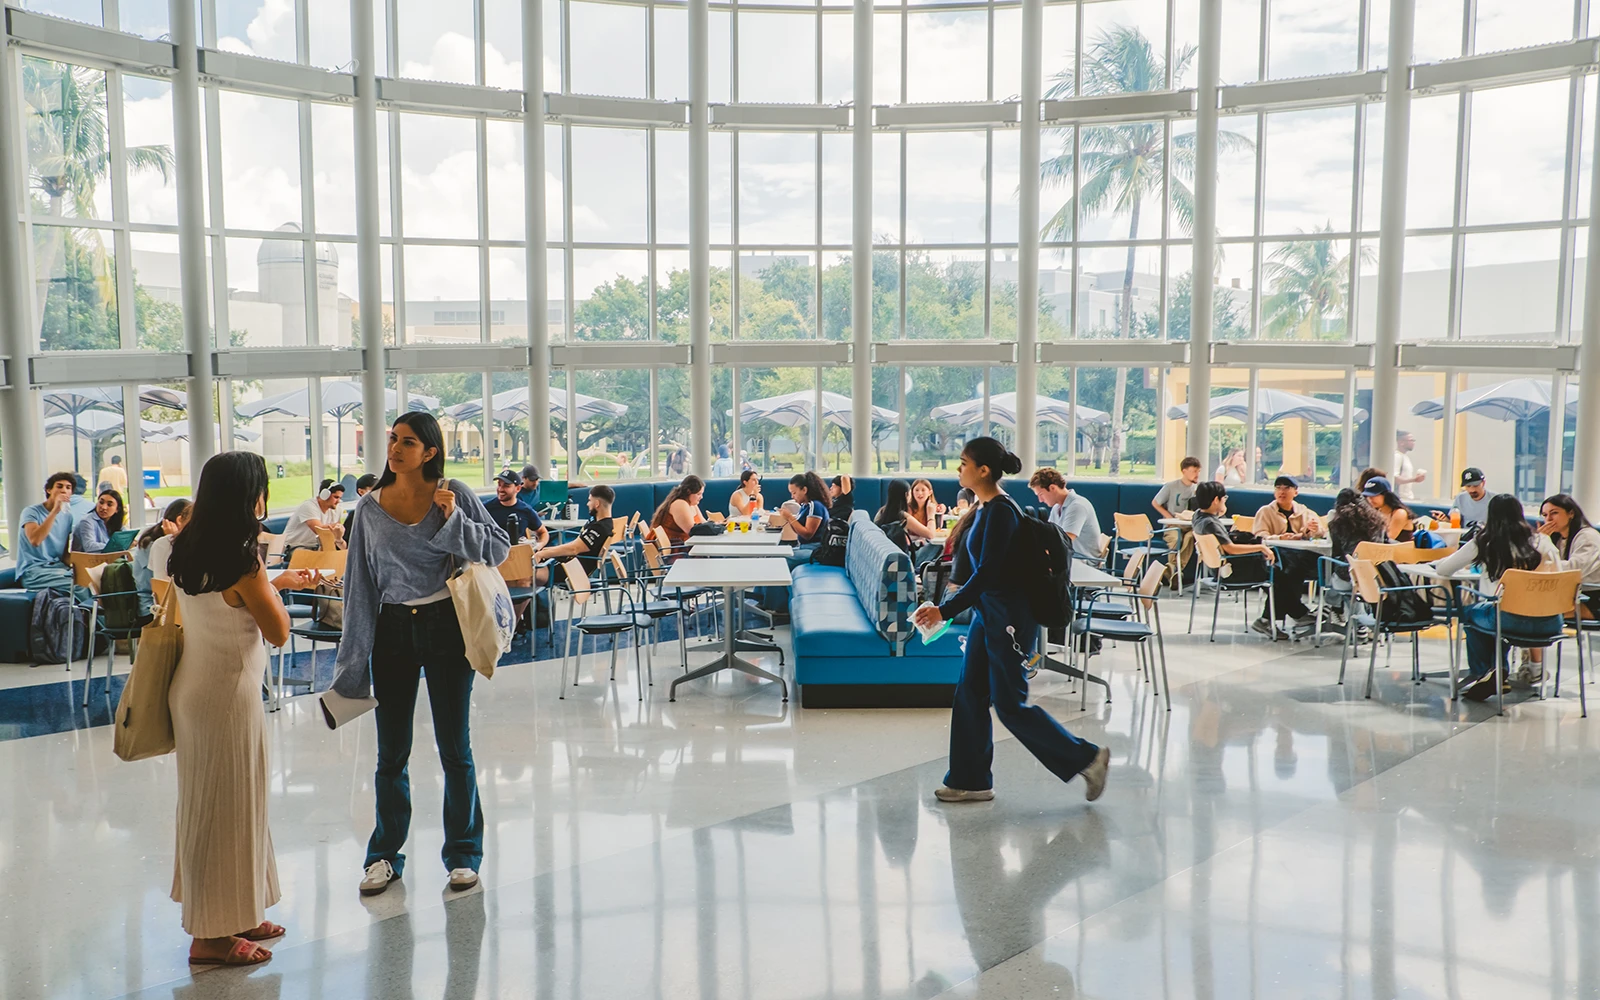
(1003, 632)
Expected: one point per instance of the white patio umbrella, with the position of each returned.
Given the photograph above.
(1003, 411)
(180, 432)
(795, 408)
(99, 425)
(340, 398)
(1273, 405)
(1518, 399)
(76, 402)
(513, 404)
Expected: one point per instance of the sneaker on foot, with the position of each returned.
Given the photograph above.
(948, 794)
(1094, 776)
(1530, 673)
(1481, 689)
(1263, 626)
(463, 878)
(377, 878)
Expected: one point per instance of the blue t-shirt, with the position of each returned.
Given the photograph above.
(813, 508)
(53, 549)
(500, 514)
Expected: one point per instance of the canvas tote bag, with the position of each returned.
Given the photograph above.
(483, 609)
(143, 726)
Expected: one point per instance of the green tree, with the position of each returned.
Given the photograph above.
(1228, 318)
(1123, 165)
(1307, 283)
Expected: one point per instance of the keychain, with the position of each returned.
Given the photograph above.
(1030, 663)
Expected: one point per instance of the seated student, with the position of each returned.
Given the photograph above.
(366, 484)
(508, 510)
(1394, 510)
(46, 532)
(1173, 499)
(147, 565)
(321, 510)
(807, 512)
(1210, 504)
(1352, 522)
(1071, 512)
(1577, 542)
(897, 521)
(1287, 517)
(922, 505)
(79, 505)
(1472, 503)
(1505, 541)
(591, 542)
(747, 497)
(530, 484)
(94, 532)
(678, 514)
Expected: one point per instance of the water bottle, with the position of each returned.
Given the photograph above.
(572, 511)
(514, 528)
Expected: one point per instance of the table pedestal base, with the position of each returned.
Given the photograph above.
(730, 658)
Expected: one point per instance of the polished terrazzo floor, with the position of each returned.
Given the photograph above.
(1274, 835)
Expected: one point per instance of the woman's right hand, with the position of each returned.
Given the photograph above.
(295, 579)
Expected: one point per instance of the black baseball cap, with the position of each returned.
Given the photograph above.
(509, 477)
(1285, 481)
(530, 473)
(1471, 476)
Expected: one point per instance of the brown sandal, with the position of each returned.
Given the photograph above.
(266, 932)
(242, 953)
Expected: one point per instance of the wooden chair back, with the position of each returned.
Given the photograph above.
(158, 593)
(1133, 527)
(330, 563)
(1377, 552)
(616, 564)
(82, 562)
(518, 565)
(716, 517)
(274, 544)
(1530, 592)
(1209, 550)
(633, 522)
(619, 529)
(1364, 578)
(1130, 572)
(1410, 554)
(578, 581)
(325, 539)
(652, 555)
(1151, 583)
(1244, 522)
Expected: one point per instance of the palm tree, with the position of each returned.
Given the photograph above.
(68, 148)
(1309, 282)
(1122, 165)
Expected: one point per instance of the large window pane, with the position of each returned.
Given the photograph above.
(508, 295)
(1305, 288)
(1124, 164)
(439, 177)
(611, 294)
(608, 48)
(157, 290)
(442, 288)
(260, 161)
(1112, 276)
(783, 442)
(608, 446)
(328, 34)
(945, 182)
(436, 41)
(1518, 153)
(777, 296)
(259, 27)
(1430, 177)
(334, 168)
(778, 58)
(608, 185)
(75, 289)
(147, 130)
(1504, 24)
(507, 217)
(1509, 288)
(1312, 37)
(934, 437)
(267, 291)
(777, 188)
(502, 46)
(838, 57)
(947, 56)
(64, 118)
(838, 184)
(1308, 170)
(945, 294)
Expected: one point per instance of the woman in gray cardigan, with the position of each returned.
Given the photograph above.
(407, 537)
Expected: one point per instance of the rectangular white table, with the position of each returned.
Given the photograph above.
(753, 537)
(731, 575)
(1321, 546)
(562, 524)
(729, 549)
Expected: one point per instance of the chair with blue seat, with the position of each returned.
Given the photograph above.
(1368, 589)
(1140, 624)
(658, 609)
(1134, 536)
(1212, 564)
(1533, 594)
(517, 571)
(626, 620)
(83, 566)
(311, 625)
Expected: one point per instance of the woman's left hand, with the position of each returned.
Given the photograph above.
(927, 617)
(445, 499)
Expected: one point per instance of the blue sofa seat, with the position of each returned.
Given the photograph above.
(16, 607)
(854, 645)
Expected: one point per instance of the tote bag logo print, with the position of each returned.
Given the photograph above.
(503, 612)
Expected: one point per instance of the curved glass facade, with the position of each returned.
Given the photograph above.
(1491, 285)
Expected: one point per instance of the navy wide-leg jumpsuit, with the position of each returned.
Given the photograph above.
(992, 672)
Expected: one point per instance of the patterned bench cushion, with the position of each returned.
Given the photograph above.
(881, 573)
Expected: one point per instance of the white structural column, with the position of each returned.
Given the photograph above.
(1586, 450)
(861, 248)
(20, 433)
(538, 243)
(1392, 234)
(1028, 237)
(699, 237)
(191, 237)
(1205, 230)
(369, 254)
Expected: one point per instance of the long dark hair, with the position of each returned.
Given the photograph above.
(816, 489)
(175, 510)
(426, 428)
(1576, 520)
(114, 524)
(1506, 539)
(896, 502)
(1392, 500)
(987, 451)
(683, 491)
(218, 547)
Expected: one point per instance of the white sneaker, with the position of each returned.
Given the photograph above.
(463, 878)
(1094, 776)
(948, 794)
(377, 878)
(1530, 673)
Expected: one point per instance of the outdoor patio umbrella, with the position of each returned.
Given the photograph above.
(1273, 405)
(340, 398)
(180, 432)
(1518, 399)
(513, 404)
(795, 408)
(76, 402)
(1003, 411)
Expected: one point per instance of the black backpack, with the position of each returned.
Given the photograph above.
(1040, 562)
(119, 598)
(1402, 607)
(58, 630)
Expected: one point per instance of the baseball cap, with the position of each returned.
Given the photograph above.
(1377, 486)
(1471, 476)
(509, 477)
(1285, 481)
(530, 473)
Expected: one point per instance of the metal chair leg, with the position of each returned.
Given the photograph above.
(1372, 664)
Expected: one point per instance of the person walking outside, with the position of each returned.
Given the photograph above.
(1003, 633)
(225, 874)
(411, 533)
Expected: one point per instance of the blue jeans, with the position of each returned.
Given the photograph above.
(1479, 620)
(411, 640)
(992, 674)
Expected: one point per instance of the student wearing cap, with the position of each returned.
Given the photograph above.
(528, 488)
(512, 513)
(1286, 517)
(1473, 500)
(1396, 515)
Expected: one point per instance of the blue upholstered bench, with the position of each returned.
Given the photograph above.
(854, 644)
(16, 605)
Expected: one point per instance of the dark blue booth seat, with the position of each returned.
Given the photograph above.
(16, 605)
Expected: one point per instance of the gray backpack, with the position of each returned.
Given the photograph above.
(54, 621)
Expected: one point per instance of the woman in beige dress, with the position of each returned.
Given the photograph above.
(225, 876)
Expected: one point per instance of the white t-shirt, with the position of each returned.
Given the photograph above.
(299, 533)
(1404, 468)
(160, 552)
